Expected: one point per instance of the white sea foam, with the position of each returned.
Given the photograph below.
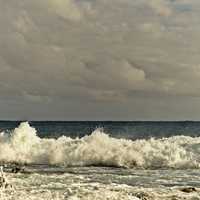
(72, 187)
(24, 146)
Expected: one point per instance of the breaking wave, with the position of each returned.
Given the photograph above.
(99, 149)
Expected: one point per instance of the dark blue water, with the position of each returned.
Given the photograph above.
(131, 130)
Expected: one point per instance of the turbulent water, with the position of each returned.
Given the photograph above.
(105, 164)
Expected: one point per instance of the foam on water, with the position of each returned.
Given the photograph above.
(24, 146)
(76, 187)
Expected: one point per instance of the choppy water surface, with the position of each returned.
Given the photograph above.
(99, 166)
(101, 183)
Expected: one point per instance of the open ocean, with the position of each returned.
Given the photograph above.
(101, 160)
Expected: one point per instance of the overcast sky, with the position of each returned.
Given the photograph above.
(100, 59)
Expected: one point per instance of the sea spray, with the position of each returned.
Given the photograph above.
(99, 149)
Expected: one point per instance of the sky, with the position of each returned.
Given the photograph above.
(100, 60)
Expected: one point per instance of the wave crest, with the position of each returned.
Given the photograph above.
(24, 146)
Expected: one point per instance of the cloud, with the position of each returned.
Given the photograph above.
(53, 56)
(36, 99)
(161, 7)
(156, 29)
(131, 73)
(98, 51)
(107, 96)
(109, 75)
(66, 9)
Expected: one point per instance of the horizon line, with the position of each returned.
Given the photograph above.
(18, 120)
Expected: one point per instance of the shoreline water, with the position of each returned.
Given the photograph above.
(103, 183)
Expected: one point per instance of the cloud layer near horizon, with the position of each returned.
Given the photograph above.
(112, 54)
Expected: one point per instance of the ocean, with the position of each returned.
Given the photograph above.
(100, 160)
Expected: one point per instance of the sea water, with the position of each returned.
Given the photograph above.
(101, 160)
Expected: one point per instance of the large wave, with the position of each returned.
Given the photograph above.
(24, 146)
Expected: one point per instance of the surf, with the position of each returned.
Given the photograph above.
(24, 146)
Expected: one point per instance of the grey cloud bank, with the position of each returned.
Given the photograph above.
(99, 60)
